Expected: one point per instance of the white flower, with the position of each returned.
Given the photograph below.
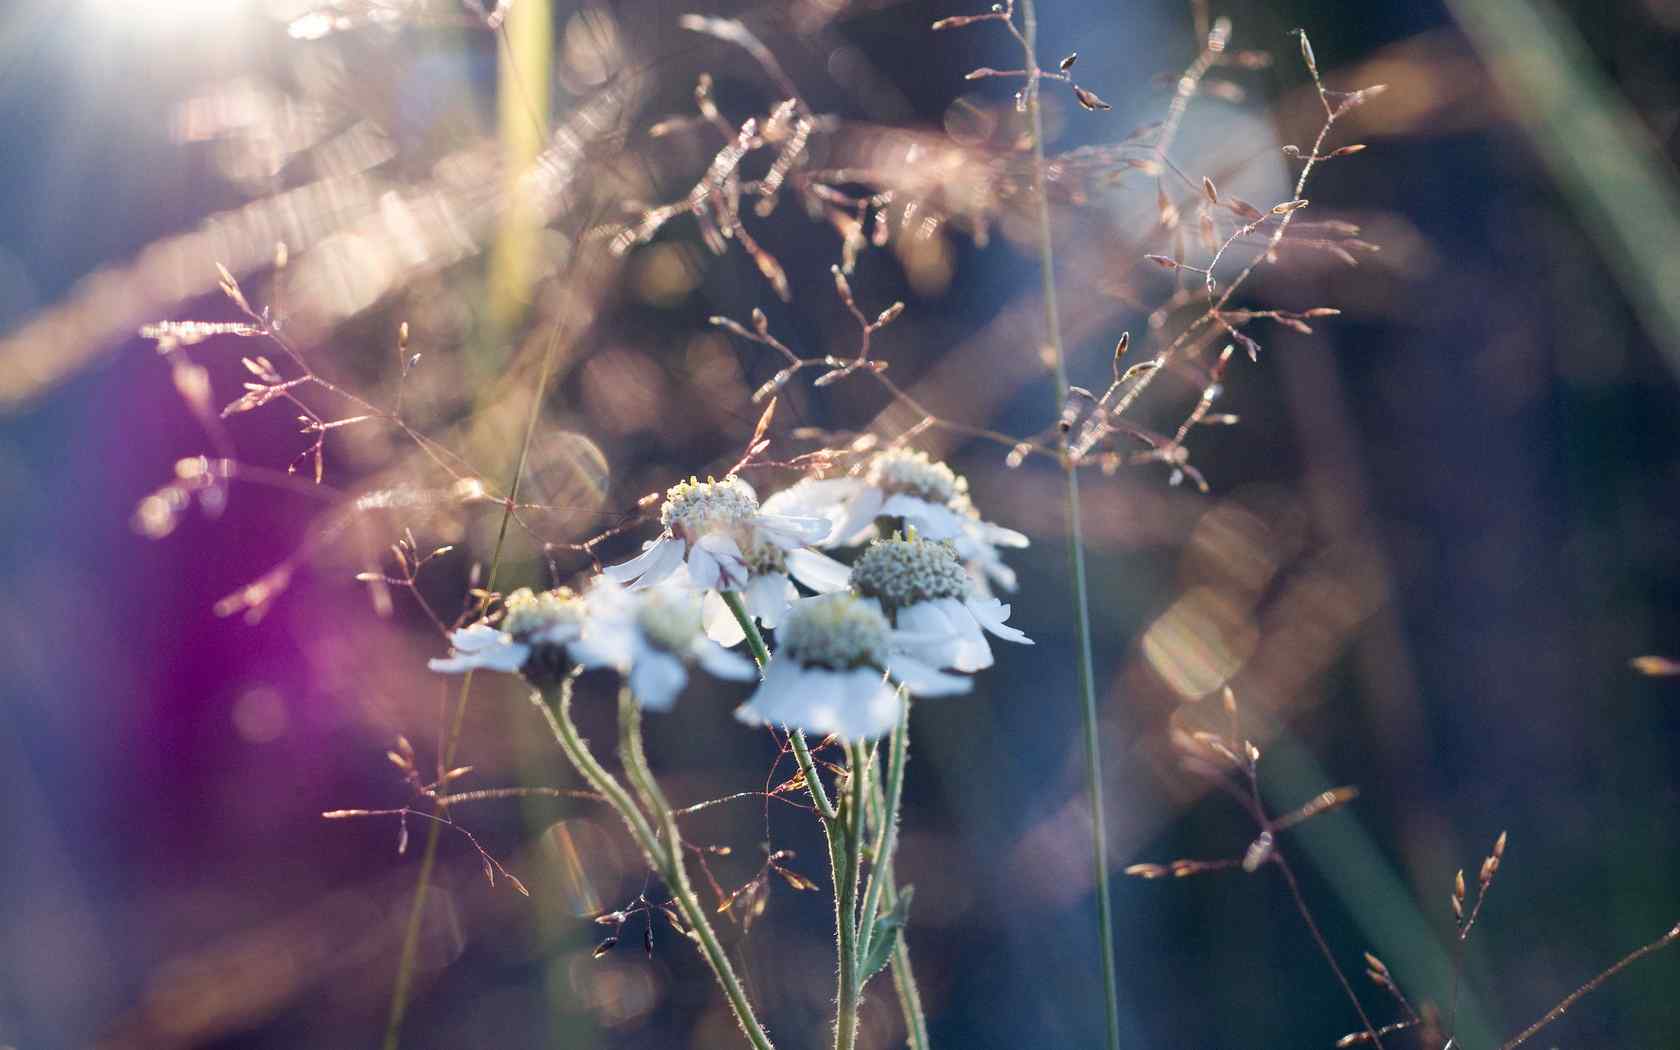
(481, 646)
(903, 483)
(927, 593)
(771, 572)
(837, 668)
(650, 637)
(977, 545)
(926, 495)
(718, 531)
(531, 637)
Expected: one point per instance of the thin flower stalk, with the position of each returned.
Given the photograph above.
(903, 976)
(845, 827)
(1076, 536)
(801, 749)
(848, 873)
(881, 896)
(842, 847)
(665, 857)
(886, 827)
(428, 858)
(1671, 937)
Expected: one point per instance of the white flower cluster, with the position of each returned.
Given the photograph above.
(906, 486)
(650, 637)
(838, 670)
(914, 605)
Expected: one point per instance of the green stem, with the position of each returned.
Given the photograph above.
(801, 750)
(664, 857)
(881, 888)
(848, 870)
(557, 711)
(755, 640)
(1076, 536)
(904, 978)
(886, 825)
(883, 884)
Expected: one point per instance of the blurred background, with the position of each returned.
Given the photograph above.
(1446, 522)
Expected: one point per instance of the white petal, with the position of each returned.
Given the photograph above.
(508, 658)
(818, 571)
(925, 632)
(721, 663)
(652, 565)
(998, 536)
(481, 646)
(823, 701)
(656, 679)
(790, 532)
(605, 645)
(721, 625)
(870, 707)
(997, 572)
(991, 615)
(860, 513)
(781, 698)
(824, 498)
(974, 653)
(475, 638)
(716, 563)
(923, 680)
(559, 634)
(932, 521)
(703, 568)
(767, 597)
(460, 663)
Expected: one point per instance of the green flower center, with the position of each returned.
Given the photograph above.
(694, 508)
(911, 471)
(836, 631)
(904, 571)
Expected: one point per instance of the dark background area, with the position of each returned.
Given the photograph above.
(1461, 497)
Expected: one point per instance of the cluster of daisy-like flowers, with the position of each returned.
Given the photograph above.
(914, 605)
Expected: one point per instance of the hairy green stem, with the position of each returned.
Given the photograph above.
(886, 825)
(904, 978)
(1076, 536)
(882, 891)
(755, 640)
(665, 857)
(801, 750)
(847, 872)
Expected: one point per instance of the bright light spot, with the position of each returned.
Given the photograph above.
(259, 715)
(146, 9)
(172, 15)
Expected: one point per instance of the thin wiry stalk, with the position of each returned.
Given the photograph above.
(1076, 537)
(411, 935)
(428, 859)
(1324, 948)
(1257, 807)
(665, 857)
(1570, 1000)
